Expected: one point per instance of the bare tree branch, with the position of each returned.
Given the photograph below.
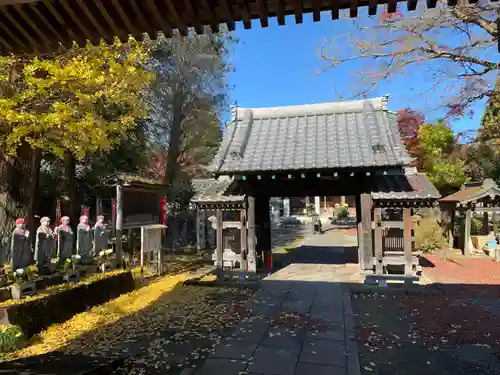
(453, 45)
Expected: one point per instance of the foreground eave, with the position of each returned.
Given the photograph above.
(41, 26)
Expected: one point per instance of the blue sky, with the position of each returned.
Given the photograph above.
(280, 65)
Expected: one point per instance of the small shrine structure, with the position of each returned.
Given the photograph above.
(400, 196)
(217, 209)
(137, 201)
(473, 197)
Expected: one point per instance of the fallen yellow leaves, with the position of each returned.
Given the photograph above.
(60, 287)
(60, 335)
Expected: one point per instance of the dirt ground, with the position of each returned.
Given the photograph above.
(455, 332)
(457, 269)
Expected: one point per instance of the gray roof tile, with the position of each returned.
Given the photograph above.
(213, 191)
(316, 136)
(410, 186)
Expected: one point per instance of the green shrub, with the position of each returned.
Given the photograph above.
(429, 236)
(11, 338)
(341, 211)
(476, 226)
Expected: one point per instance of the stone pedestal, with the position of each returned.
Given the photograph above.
(286, 207)
(317, 205)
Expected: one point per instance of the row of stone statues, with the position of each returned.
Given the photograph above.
(58, 242)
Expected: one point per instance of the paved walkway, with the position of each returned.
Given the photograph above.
(300, 322)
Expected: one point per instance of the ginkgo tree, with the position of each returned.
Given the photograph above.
(79, 101)
(70, 104)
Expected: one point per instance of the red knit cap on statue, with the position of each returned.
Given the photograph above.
(19, 221)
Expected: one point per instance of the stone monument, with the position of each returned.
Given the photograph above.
(20, 250)
(83, 237)
(101, 235)
(65, 237)
(45, 245)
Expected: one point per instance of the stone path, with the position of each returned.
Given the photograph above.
(300, 321)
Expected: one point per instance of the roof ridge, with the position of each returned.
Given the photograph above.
(379, 104)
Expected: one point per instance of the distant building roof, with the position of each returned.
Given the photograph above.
(210, 190)
(474, 191)
(351, 134)
(131, 180)
(411, 186)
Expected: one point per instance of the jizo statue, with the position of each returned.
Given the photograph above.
(101, 235)
(65, 237)
(20, 250)
(45, 246)
(83, 237)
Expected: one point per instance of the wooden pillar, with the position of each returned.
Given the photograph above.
(243, 240)
(377, 218)
(366, 226)
(251, 258)
(448, 217)
(468, 219)
(486, 222)
(219, 252)
(98, 207)
(360, 232)
(119, 223)
(201, 241)
(262, 224)
(266, 225)
(407, 241)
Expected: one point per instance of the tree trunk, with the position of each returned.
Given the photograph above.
(15, 189)
(71, 187)
(172, 170)
(32, 203)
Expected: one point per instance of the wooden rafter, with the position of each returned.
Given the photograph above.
(46, 42)
(193, 16)
(29, 26)
(179, 23)
(298, 11)
(229, 13)
(130, 27)
(162, 23)
(372, 7)
(263, 13)
(117, 32)
(19, 28)
(79, 24)
(316, 10)
(280, 12)
(245, 14)
(146, 27)
(91, 17)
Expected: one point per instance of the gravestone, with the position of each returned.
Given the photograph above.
(65, 238)
(83, 237)
(20, 251)
(101, 236)
(45, 245)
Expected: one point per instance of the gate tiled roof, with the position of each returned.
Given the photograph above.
(405, 187)
(351, 134)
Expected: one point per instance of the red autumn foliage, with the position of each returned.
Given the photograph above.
(188, 163)
(409, 122)
(385, 16)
